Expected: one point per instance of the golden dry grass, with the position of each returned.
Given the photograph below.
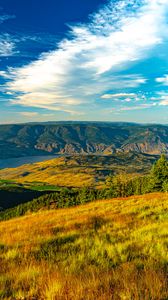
(55, 172)
(112, 249)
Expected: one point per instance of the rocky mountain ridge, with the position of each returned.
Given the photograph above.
(82, 138)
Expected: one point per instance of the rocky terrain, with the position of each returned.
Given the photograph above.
(82, 138)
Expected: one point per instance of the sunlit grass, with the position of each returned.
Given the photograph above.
(111, 249)
(54, 172)
(77, 170)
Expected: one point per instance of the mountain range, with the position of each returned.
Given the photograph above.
(82, 138)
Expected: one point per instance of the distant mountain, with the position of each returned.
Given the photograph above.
(82, 138)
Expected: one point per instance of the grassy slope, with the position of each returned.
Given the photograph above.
(112, 249)
(53, 171)
(79, 171)
(14, 194)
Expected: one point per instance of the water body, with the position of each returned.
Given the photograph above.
(16, 162)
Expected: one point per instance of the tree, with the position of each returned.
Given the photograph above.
(165, 186)
(159, 173)
(119, 185)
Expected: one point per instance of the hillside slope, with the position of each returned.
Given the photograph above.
(78, 137)
(79, 171)
(114, 249)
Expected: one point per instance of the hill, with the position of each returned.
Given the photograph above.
(81, 137)
(13, 196)
(80, 170)
(112, 249)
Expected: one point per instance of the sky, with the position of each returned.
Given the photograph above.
(89, 60)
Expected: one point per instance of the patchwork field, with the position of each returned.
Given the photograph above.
(112, 249)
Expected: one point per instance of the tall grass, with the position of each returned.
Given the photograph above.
(112, 249)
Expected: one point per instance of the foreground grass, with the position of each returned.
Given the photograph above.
(112, 249)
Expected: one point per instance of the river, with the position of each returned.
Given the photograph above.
(16, 162)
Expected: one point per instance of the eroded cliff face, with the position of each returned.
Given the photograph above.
(77, 148)
(97, 138)
(148, 148)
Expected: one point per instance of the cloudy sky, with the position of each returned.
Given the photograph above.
(84, 60)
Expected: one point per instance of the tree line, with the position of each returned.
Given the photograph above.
(121, 185)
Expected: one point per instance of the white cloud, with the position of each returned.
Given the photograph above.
(138, 107)
(164, 102)
(29, 114)
(32, 114)
(119, 95)
(4, 74)
(163, 98)
(47, 101)
(85, 64)
(163, 80)
(128, 100)
(7, 47)
(4, 18)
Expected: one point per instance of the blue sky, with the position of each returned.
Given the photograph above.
(84, 60)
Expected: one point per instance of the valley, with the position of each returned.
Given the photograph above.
(93, 219)
(84, 150)
(80, 170)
